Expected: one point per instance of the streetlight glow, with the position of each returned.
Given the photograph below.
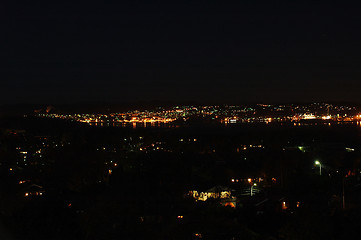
(319, 164)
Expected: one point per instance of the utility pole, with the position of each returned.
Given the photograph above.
(319, 164)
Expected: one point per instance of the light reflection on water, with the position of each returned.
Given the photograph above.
(170, 125)
(131, 125)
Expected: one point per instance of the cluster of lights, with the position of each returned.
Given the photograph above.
(225, 114)
(27, 194)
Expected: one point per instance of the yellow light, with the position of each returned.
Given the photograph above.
(180, 217)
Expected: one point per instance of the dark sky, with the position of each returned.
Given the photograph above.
(255, 51)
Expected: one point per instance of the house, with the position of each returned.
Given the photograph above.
(222, 193)
(32, 190)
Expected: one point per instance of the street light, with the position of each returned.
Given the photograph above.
(318, 163)
(254, 185)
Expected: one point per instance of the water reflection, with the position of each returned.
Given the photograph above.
(168, 125)
(131, 124)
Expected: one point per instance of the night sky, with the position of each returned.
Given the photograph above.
(256, 51)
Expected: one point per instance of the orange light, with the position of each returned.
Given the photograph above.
(229, 204)
(180, 217)
(199, 235)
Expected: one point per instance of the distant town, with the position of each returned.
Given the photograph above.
(224, 114)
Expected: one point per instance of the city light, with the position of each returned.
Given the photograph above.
(225, 114)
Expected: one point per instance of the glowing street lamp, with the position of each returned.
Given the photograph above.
(319, 163)
(254, 185)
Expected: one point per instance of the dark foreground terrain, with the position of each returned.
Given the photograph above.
(65, 180)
